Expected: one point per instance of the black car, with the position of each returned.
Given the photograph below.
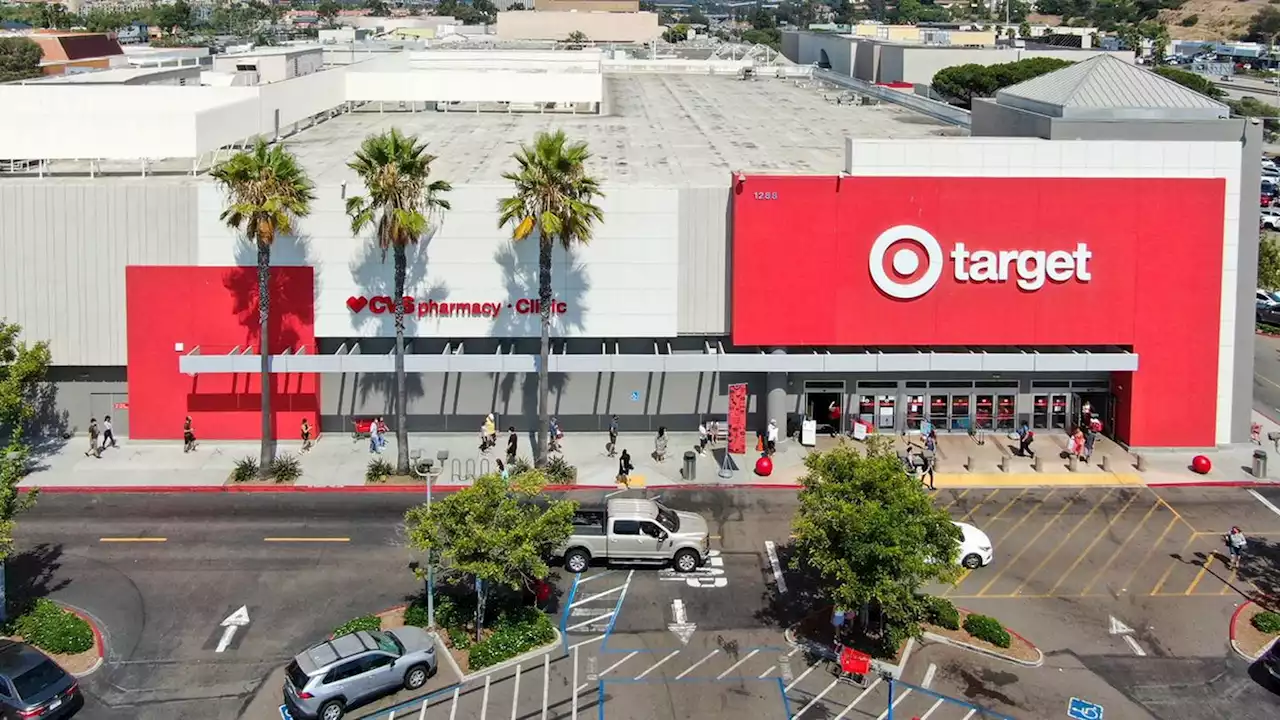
(34, 686)
(1271, 661)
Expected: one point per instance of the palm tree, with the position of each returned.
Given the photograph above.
(402, 199)
(267, 191)
(553, 194)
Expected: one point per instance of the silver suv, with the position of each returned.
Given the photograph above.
(326, 679)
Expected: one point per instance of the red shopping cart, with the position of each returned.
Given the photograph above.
(852, 666)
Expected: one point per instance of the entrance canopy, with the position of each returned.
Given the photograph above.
(455, 359)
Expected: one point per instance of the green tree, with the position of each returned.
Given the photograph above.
(873, 537)
(19, 59)
(676, 33)
(494, 532)
(1264, 26)
(576, 39)
(54, 15)
(554, 201)
(327, 10)
(377, 7)
(1252, 107)
(1190, 80)
(267, 192)
(400, 204)
(1268, 262)
(969, 81)
(908, 11)
(22, 371)
(173, 15)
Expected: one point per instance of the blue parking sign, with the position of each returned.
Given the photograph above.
(1083, 710)
(284, 713)
(635, 396)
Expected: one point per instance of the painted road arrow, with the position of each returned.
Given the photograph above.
(680, 624)
(234, 622)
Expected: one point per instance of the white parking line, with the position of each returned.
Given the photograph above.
(546, 682)
(734, 666)
(1264, 501)
(928, 676)
(969, 714)
(611, 668)
(597, 576)
(577, 645)
(772, 550)
(655, 665)
(1134, 646)
(592, 621)
(817, 698)
(894, 706)
(930, 710)
(768, 672)
(803, 675)
(484, 699)
(422, 714)
(515, 693)
(575, 687)
(691, 667)
(848, 708)
(597, 596)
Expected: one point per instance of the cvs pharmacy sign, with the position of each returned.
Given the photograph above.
(898, 254)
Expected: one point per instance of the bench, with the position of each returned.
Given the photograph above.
(722, 428)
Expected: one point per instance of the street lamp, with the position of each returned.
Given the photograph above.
(425, 470)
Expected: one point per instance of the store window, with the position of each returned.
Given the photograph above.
(1040, 412)
(1006, 415)
(867, 409)
(960, 420)
(915, 411)
(1058, 412)
(984, 412)
(938, 411)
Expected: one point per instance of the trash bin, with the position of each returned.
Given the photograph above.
(1260, 463)
(690, 465)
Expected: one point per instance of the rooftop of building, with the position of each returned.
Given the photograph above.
(660, 129)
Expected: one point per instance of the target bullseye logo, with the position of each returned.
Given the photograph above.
(906, 261)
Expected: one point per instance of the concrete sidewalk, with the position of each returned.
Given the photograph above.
(339, 461)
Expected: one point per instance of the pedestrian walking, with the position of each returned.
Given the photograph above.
(93, 450)
(489, 434)
(1235, 546)
(926, 468)
(1077, 443)
(611, 447)
(108, 437)
(513, 443)
(375, 436)
(771, 438)
(931, 440)
(702, 437)
(624, 468)
(557, 436)
(502, 470)
(306, 435)
(1090, 437)
(833, 412)
(189, 436)
(382, 434)
(659, 446)
(1025, 438)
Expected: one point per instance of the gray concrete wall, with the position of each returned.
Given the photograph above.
(75, 394)
(1250, 177)
(703, 283)
(65, 244)
(990, 119)
(866, 60)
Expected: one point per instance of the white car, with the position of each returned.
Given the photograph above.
(975, 548)
(1270, 219)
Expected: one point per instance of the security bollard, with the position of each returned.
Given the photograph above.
(968, 463)
(1037, 464)
(1106, 463)
(1142, 463)
(1073, 463)
(1005, 463)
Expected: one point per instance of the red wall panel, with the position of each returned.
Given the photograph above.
(801, 275)
(215, 308)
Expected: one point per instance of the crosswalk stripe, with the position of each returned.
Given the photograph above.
(817, 698)
(797, 680)
(734, 666)
(848, 708)
(895, 704)
(691, 667)
(655, 665)
(930, 711)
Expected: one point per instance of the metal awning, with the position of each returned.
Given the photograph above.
(713, 358)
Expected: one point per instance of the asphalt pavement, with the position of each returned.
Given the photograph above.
(1266, 376)
(160, 572)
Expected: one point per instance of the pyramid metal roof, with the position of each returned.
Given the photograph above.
(1107, 88)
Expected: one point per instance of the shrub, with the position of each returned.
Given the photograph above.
(246, 470)
(988, 629)
(459, 638)
(517, 631)
(1267, 622)
(560, 472)
(52, 629)
(416, 614)
(519, 466)
(378, 470)
(941, 612)
(1189, 21)
(364, 622)
(286, 469)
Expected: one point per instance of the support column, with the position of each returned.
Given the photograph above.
(776, 399)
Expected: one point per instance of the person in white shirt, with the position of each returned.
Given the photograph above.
(108, 437)
(702, 437)
(375, 440)
(772, 438)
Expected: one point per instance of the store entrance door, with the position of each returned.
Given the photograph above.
(817, 407)
(1095, 404)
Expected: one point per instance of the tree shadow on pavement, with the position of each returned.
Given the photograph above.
(30, 575)
(1259, 574)
(802, 598)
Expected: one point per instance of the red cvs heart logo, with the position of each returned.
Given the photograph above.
(356, 303)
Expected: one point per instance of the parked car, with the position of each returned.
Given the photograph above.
(32, 685)
(638, 531)
(325, 680)
(975, 547)
(1264, 200)
(1267, 312)
(1271, 661)
(1262, 297)
(1270, 219)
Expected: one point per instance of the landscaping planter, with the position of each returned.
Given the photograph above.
(1246, 639)
(1020, 650)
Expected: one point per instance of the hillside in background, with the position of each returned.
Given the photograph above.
(1215, 19)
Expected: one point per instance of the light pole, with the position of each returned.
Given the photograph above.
(428, 476)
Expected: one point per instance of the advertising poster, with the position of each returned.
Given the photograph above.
(738, 418)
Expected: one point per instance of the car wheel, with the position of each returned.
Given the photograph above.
(331, 710)
(416, 677)
(577, 561)
(686, 561)
(972, 561)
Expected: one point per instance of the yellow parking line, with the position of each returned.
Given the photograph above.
(1173, 563)
(1007, 565)
(1096, 540)
(306, 539)
(980, 504)
(1145, 556)
(1204, 568)
(133, 540)
(1063, 541)
(957, 499)
(1230, 584)
(1008, 505)
(967, 572)
(1176, 514)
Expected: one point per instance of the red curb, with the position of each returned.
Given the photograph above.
(1234, 616)
(169, 489)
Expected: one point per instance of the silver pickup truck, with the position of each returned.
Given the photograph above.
(636, 531)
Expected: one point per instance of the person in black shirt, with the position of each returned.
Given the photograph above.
(512, 444)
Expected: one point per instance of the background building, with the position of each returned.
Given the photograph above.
(620, 27)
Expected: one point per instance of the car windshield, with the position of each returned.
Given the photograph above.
(668, 518)
(387, 642)
(35, 680)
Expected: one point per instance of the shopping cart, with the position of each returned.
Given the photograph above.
(852, 666)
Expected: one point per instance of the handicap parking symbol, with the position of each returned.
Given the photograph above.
(284, 713)
(1083, 710)
(635, 396)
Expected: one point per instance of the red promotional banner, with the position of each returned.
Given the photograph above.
(738, 418)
